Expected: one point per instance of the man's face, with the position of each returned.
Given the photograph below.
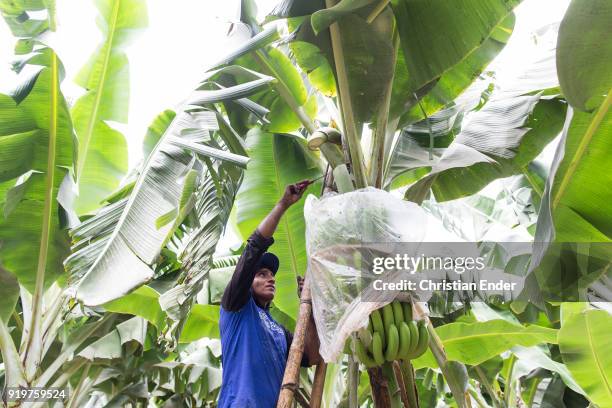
(264, 285)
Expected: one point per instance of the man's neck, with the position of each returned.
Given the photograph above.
(262, 304)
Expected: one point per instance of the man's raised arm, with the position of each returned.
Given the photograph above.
(236, 293)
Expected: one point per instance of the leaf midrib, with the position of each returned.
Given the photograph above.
(488, 334)
(285, 221)
(93, 118)
(595, 356)
(582, 148)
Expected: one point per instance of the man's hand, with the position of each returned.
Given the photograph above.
(293, 193)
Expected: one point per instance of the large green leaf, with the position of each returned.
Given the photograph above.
(435, 35)
(278, 160)
(203, 321)
(111, 345)
(500, 140)
(368, 58)
(576, 196)
(134, 242)
(534, 357)
(474, 343)
(587, 352)
(9, 294)
(33, 224)
(583, 160)
(583, 54)
(102, 158)
(18, 135)
(453, 82)
(142, 302)
(310, 58)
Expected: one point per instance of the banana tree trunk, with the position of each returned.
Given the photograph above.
(380, 388)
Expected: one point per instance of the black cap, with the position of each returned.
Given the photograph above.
(269, 261)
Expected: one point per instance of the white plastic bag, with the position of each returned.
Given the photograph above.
(335, 225)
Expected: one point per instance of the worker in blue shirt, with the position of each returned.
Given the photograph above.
(254, 346)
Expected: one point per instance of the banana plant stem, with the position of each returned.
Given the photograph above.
(437, 349)
(348, 116)
(487, 384)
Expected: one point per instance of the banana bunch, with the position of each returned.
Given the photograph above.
(391, 335)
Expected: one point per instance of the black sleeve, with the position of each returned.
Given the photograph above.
(289, 338)
(236, 293)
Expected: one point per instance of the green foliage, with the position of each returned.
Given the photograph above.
(444, 33)
(583, 60)
(102, 157)
(586, 350)
(142, 302)
(203, 321)
(474, 343)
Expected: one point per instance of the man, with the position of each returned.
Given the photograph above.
(254, 346)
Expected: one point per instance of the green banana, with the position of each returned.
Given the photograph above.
(423, 340)
(414, 336)
(387, 315)
(398, 313)
(370, 333)
(362, 354)
(392, 343)
(377, 349)
(407, 308)
(404, 344)
(377, 324)
(365, 336)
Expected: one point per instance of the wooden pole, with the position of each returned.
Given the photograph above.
(292, 370)
(317, 385)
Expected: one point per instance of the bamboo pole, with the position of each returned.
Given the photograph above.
(317, 385)
(292, 370)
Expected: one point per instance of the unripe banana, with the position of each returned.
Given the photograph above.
(362, 354)
(365, 336)
(377, 349)
(370, 334)
(377, 324)
(404, 345)
(398, 313)
(407, 309)
(423, 340)
(392, 343)
(387, 315)
(414, 336)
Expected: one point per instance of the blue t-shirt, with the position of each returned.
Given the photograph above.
(254, 355)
